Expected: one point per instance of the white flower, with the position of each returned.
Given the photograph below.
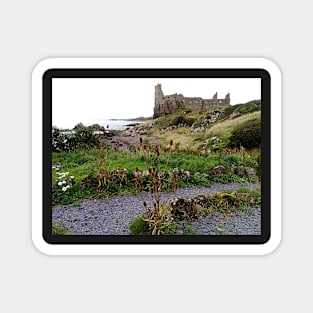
(72, 177)
(68, 186)
(64, 182)
(64, 189)
(60, 183)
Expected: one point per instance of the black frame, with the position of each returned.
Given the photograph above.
(157, 73)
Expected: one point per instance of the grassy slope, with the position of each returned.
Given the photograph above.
(222, 128)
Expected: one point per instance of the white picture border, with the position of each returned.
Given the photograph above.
(156, 249)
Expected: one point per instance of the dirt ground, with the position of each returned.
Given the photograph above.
(121, 141)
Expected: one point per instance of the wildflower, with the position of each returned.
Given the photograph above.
(72, 177)
(68, 186)
(64, 189)
(63, 182)
(60, 183)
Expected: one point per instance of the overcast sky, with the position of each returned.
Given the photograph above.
(91, 100)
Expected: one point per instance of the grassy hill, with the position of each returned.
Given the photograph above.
(192, 130)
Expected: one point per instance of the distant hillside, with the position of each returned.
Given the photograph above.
(211, 130)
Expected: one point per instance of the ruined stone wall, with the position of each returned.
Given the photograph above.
(169, 104)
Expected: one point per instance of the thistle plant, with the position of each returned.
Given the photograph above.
(158, 218)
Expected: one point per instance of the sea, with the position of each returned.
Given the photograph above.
(113, 124)
(118, 124)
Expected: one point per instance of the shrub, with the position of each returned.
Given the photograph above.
(139, 227)
(247, 135)
(182, 120)
(85, 138)
(80, 137)
(62, 141)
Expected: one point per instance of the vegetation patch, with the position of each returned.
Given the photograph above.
(247, 135)
(59, 229)
(165, 219)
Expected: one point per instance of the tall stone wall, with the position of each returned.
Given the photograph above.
(164, 105)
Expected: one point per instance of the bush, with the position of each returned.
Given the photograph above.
(182, 120)
(139, 227)
(247, 135)
(62, 141)
(80, 137)
(85, 138)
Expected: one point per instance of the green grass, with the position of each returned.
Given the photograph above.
(82, 163)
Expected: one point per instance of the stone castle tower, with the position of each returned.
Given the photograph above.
(164, 105)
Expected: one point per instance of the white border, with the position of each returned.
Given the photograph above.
(149, 249)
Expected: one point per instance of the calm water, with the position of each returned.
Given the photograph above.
(116, 124)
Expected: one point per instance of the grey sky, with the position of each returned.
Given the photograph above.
(90, 100)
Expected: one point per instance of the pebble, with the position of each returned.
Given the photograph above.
(113, 216)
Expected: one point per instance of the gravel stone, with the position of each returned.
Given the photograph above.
(112, 216)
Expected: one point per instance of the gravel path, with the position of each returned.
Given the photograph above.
(112, 216)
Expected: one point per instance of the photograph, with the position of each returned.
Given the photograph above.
(171, 157)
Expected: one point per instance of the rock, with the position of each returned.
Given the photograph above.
(244, 171)
(206, 176)
(185, 176)
(251, 172)
(218, 170)
(121, 170)
(185, 208)
(145, 173)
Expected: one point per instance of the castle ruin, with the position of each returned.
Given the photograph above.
(164, 105)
